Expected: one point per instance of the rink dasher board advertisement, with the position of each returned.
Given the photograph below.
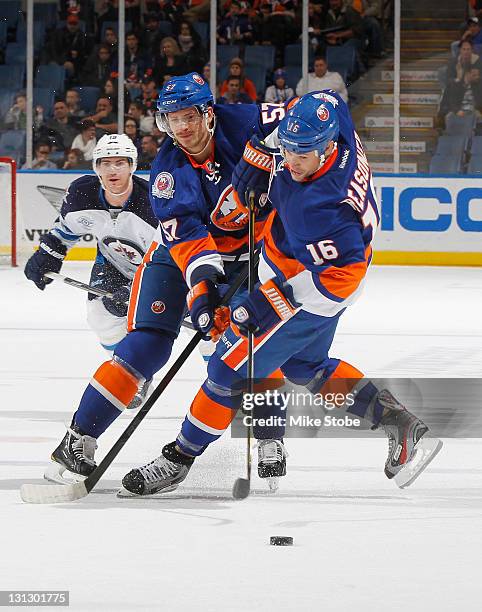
(425, 220)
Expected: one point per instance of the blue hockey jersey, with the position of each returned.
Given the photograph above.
(123, 234)
(318, 237)
(201, 222)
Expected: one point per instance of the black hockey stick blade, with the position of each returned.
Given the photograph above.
(54, 493)
(241, 488)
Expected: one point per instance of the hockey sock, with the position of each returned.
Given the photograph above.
(212, 410)
(137, 358)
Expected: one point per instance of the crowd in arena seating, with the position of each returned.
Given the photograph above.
(76, 69)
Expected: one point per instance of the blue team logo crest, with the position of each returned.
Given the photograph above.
(323, 113)
(199, 80)
(229, 214)
(163, 185)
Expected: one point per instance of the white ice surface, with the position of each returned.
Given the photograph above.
(360, 543)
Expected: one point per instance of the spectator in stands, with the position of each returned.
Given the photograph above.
(72, 100)
(131, 128)
(473, 31)
(97, 68)
(136, 63)
(145, 121)
(41, 160)
(191, 46)
(85, 141)
(111, 91)
(150, 34)
(275, 25)
(236, 69)
(148, 98)
(233, 94)
(170, 61)
(148, 152)
(321, 78)
(235, 27)
(110, 40)
(60, 129)
(104, 118)
(347, 29)
(206, 73)
(69, 47)
(279, 92)
(370, 12)
(16, 116)
(199, 10)
(462, 98)
(465, 60)
(74, 160)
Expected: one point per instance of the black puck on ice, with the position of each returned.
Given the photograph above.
(281, 541)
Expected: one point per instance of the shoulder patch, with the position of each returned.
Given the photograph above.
(163, 185)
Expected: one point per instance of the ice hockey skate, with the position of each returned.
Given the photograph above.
(73, 459)
(409, 453)
(271, 462)
(161, 475)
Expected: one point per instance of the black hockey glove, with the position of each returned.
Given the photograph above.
(48, 258)
(118, 303)
(252, 172)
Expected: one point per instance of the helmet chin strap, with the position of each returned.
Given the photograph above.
(323, 157)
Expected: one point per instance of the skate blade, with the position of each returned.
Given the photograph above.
(124, 493)
(425, 451)
(55, 473)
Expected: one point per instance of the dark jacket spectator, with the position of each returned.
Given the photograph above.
(275, 27)
(72, 99)
(145, 121)
(110, 90)
(149, 95)
(236, 69)
(148, 152)
(97, 68)
(169, 61)
(69, 46)
(473, 31)
(131, 129)
(191, 46)
(60, 130)
(345, 22)
(16, 116)
(104, 118)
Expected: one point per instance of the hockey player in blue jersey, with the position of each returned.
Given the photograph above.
(315, 254)
(204, 235)
(114, 207)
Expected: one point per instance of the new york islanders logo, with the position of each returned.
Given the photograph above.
(163, 185)
(323, 113)
(199, 80)
(229, 214)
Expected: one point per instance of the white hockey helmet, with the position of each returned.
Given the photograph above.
(115, 145)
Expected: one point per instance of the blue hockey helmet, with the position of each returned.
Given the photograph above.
(310, 124)
(182, 92)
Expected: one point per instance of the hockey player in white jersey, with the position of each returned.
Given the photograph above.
(113, 206)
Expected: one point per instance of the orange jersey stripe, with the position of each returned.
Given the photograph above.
(183, 252)
(136, 284)
(210, 412)
(342, 282)
(117, 381)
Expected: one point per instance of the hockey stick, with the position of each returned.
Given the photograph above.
(72, 282)
(50, 494)
(242, 486)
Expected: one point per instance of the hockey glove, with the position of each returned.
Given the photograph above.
(207, 317)
(48, 258)
(117, 305)
(264, 308)
(252, 172)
